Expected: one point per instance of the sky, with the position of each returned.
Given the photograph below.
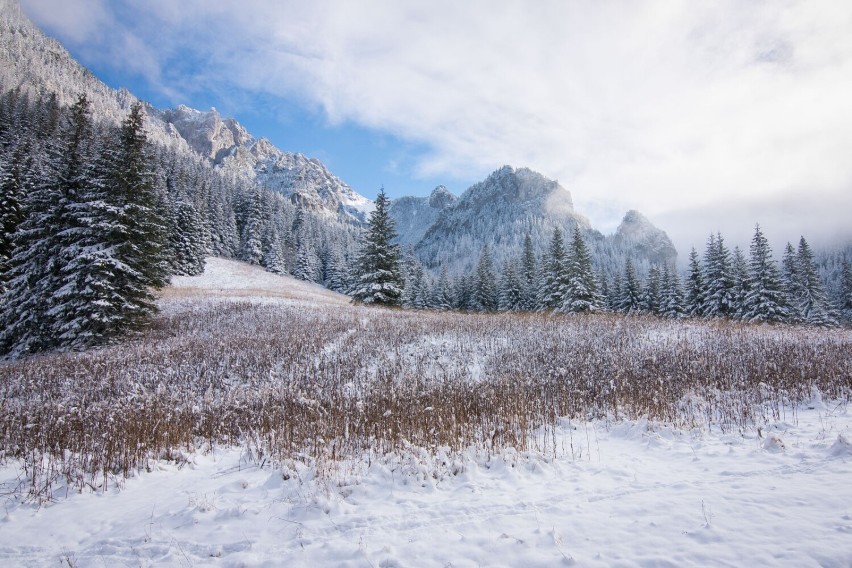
(704, 116)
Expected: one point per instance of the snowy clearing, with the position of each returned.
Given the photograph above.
(228, 278)
(287, 427)
(632, 495)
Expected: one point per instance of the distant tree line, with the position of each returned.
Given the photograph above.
(722, 284)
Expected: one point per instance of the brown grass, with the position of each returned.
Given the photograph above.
(308, 383)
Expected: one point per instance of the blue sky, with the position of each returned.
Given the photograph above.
(365, 158)
(704, 116)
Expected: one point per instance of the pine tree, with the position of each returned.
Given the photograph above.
(442, 295)
(630, 301)
(554, 284)
(511, 290)
(379, 280)
(581, 291)
(188, 240)
(485, 287)
(529, 276)
(740, 273)
(765, 299)
(846, 291)
(812, 301)
(652, 294)
(718, 279)
(695, 286)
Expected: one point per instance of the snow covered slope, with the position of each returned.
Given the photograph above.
(629, 494)
(226, 278)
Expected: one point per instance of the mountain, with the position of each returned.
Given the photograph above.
(414, 216)
(306, 181)
(644, 240)
(505, 207)
(499, 211)
(40, 65)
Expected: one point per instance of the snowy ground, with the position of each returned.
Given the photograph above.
(225, 278)
(607, 494)
(632, 495)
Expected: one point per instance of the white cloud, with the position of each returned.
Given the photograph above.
(658, 105)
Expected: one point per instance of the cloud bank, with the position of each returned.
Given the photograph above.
(680, 109)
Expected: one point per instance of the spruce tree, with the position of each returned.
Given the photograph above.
(740, 273)
(672, 297)
(765, 299)
(718, 279)
(812, 301)
(695, 286)
(485, 287)
(134, 248)
(554, 282)
(511, 290)
(792, 281)
(34, 272)
(581, 291)
(846, 291)
(251, 235)
(378, 278)
(630, 301)
(188, 239)
(529, 276)
(652, 294)
(442, 295)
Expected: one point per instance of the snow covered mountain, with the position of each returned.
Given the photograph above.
(416, 215)
(40, 65)
(306, 181)
(505, 207)
(499, 211)
(644, 240)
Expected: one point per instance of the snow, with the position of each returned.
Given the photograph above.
(596, 493)
(226, 278)
(630, 494)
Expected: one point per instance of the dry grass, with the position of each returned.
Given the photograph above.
(326, 383)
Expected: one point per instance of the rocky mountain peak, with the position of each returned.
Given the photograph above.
(441, 198)
(637, 232)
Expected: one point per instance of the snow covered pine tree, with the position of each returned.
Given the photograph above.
(379, 280)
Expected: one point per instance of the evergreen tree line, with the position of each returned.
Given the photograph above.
(94, 218)
(564, 279)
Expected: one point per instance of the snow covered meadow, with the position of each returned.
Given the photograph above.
(265, 421)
